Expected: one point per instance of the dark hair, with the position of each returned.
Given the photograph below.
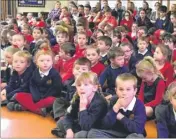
(69, 48)
(37, 28)
(83, 61)
(115, 52)
(87, 6)
(106, 39)
(163, 9)
(81, 6)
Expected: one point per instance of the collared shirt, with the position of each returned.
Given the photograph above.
(143, 53)
(130, 106)
(164, 18)
(174, 114)
(42, 74)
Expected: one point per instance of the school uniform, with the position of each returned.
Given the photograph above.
(18, 83)
(146, 22)
(133, 121)
(56, 49)
(166, 121)
(86, 119)
(6, 74)
(44, 88)
(140, 56)
(98, 68)
(110, 74)
(104, 60)
(80, 52)
(151, 94)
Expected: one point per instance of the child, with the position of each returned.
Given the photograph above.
(7, 71)
(116, 39)
(142, 48)
(26, 31)
(62, 36)
(127, 117)
(93, 54)
(19, 41)
(65, 63)
(81, 47)
(152, 87)
(19, 81)
(165, 114)
(104, 44)
(45, 86)
(133, 33)
(161, 57)
(37, 35)
(87, 105)
(60, 104)
(116, 57)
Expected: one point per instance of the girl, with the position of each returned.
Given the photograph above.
(165, 114)
(19, 81)
(45, 85)
(133, 33)
(87, 105)
(37, 35)
(26, 31)
(19, 41)
(152, 87)
(4, 40)
(161, 56)
(127, 20)
(7, 71)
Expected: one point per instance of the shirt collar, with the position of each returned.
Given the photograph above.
(143, 52)
(103, 55)
(42, 74)
(130, 106)
(164, 18)
(174, 113)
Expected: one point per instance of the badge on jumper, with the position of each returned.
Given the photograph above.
(49, 82)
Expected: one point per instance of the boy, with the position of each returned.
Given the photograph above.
(93, 54)
(116, 57)
(104, 44)
(127, 116)
(142, 48)
(65, 63)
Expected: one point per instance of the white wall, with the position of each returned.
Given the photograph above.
(49, 4)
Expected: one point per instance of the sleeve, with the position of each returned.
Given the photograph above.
(137, 124)
(169, 75)
(69, 73)
(103, 77)
(161, 125)
(90, 116)
(141, 92)
(159, 94)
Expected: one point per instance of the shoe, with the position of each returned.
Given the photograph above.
(18, 107)
(56, 132)
(10, 106)
(4, 103)
(43, 112)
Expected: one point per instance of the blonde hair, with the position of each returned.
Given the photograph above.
(59, 29)
(91, 77)
(170, 92)
(25, 54)
(127, 77)
(11, 49)
(147, 65)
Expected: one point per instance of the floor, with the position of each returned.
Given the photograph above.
(29, 125)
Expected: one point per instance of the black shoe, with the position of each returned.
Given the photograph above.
(4, 103)
(18, 107)
(10, 106)
(56, 132)
(43, 112)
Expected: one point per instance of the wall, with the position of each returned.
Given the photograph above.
(49, 4)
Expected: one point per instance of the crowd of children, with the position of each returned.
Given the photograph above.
(98, 72)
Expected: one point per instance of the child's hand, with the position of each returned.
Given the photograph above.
(83, 102)
(119, 116)
(69, 134)
(3, 95)
(108, 97)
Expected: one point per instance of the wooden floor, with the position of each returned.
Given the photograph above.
(29, 125)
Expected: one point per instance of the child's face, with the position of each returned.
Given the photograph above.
(125, 89)
(123, 34)
(62, 54)
(20, 64)
(128, 52)
(115, 40)
(61, 38)
(80, 10)
(92, 55)
(36, 34)
(170, 44)
(173, 102)
(44, 62)
(158, 55)
(162, 14)
(8, 57)
(142, 45)
(107, 14)
(66, 20)
(86, 11)
(140, 33)
(102, 46)
(146, 76)
(118, 61)
(24, 30)
(134, 27)
(80, 29)
(173, 19)
(18, 41)
(142, 14)
(82, 40)
(78, 69)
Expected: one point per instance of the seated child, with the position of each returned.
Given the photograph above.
(22, 72)
(87, 107)
(116, 56)
(60, 104)
(104, 44)
(6, 71)
(127, 116)
(93, 54)
(161, 57)
(166, 114)
(65, 63)
(45, 85)
(153, 86)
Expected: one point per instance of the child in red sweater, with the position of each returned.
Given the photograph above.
(161, 55)
(25, 30)
(65, 63)
(93, 54)
(153, 86)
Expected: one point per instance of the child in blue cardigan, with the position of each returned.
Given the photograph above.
(127, 116)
